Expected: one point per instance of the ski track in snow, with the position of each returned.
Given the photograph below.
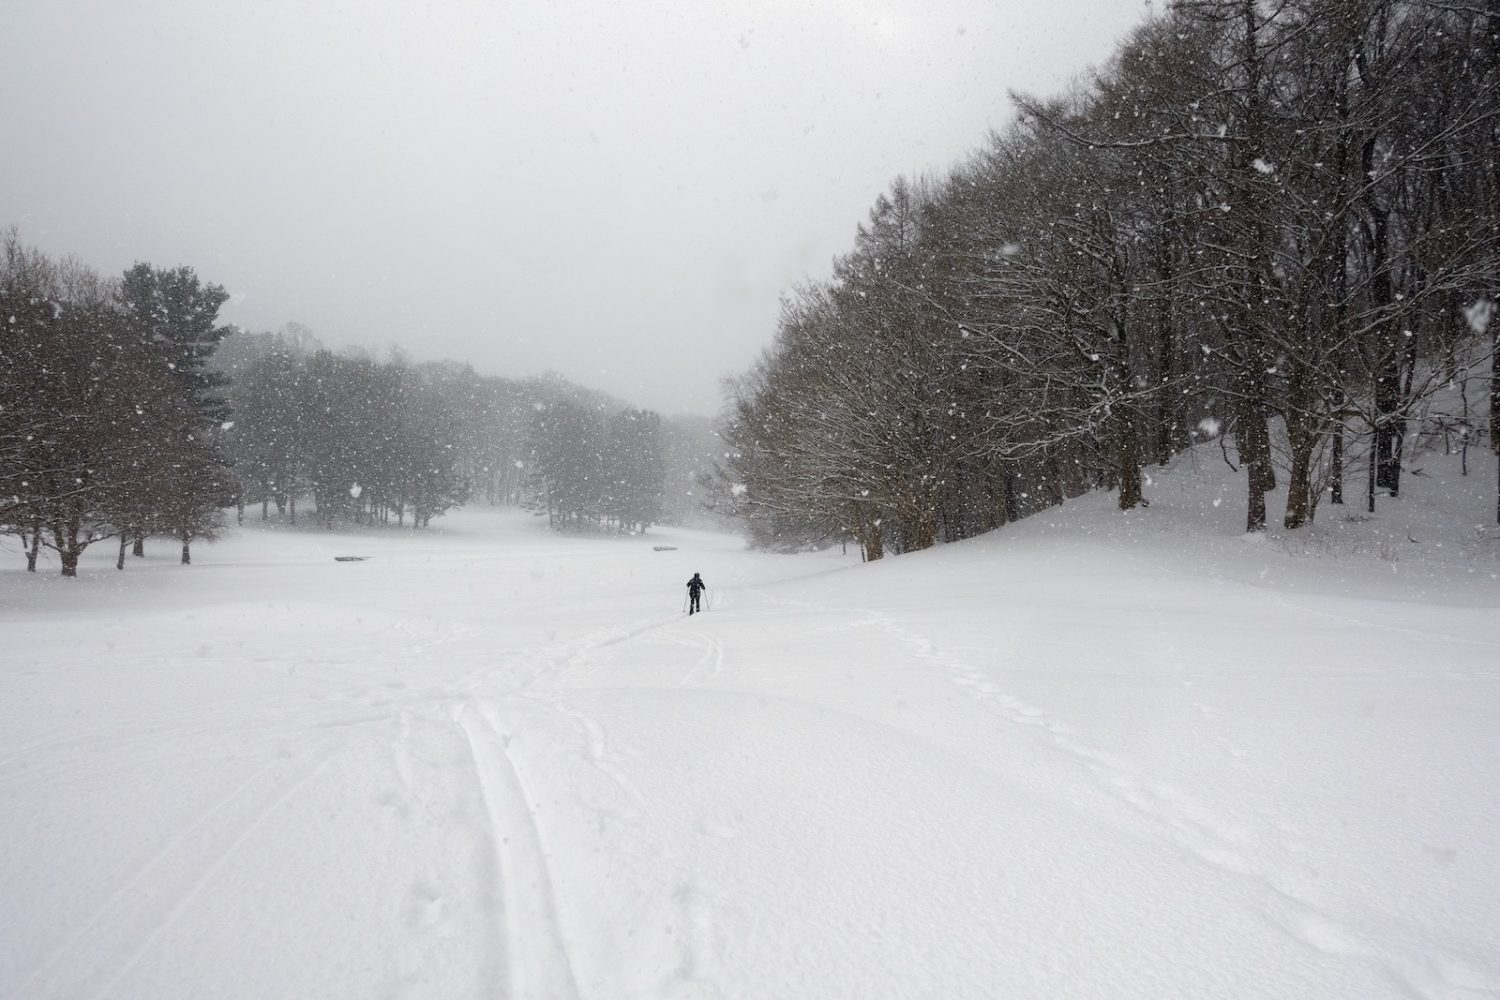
(162, 745)
(534, 950)
(1426, 974)
(118, 732)
(709, 662)
(1323, 615)
(148, 902)
(599, 754)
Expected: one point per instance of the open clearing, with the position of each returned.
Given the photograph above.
(1086, 756)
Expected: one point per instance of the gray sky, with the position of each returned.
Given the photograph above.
(615, 190)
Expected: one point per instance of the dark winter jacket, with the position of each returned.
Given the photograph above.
(696, 584)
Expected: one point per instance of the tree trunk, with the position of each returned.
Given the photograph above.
(187, 554)
(1397, 427)
(1338, 276)
(1166, 399)
(1009, 508)
(140, 544)
(1493, 23)
(1299, 497)
(65, 534)
(1128, 458)
(1059, 477)
(1255, 444)
(871, 539)
(36, 546)
(1253, 439)
(1337, 491)
(1495, 386)
(1387, 449)
(124, 543)
(1305, 422)
(1127, 441)
(919, 531)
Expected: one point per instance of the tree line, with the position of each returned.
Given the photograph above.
(109, 413)
(592, 470)
(1279, 223)
(370, 442)
(128, 410)
(377, 442)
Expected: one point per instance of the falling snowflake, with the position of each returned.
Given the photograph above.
(1479, 315)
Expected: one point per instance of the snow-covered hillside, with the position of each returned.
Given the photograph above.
(1092, 755)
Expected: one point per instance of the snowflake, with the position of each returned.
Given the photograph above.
(1479, 315)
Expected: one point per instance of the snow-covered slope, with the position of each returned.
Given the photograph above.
(1090, 755)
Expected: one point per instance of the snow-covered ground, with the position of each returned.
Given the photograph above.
(1088, 756)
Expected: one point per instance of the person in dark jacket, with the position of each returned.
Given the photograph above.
(696, 586)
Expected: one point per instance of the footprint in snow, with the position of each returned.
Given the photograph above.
(425, 906)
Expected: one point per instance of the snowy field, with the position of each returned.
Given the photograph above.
(1088, 756)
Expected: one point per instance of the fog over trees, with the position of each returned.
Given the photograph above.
(127, 410)
(393, 441)
(1278, 225)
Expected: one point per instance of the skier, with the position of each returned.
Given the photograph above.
(695, 587)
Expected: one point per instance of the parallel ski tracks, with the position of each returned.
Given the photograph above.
(81, 756)
(532, 957)
(116, 732)
(140, 907)
(535, 957)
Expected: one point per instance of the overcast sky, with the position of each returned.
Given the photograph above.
(618, 190)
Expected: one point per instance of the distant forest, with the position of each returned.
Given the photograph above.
(128, 410)
(1276, 225)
